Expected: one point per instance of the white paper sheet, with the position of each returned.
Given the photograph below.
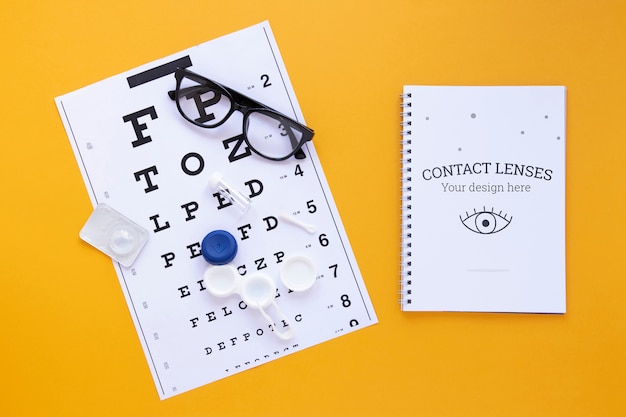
(139, 156)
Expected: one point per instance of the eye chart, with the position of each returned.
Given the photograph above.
(141, 158)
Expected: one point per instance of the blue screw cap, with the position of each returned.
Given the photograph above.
(219, 247)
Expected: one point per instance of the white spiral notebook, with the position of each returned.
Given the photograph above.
(483, 199)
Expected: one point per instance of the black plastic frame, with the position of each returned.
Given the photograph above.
(243, 104)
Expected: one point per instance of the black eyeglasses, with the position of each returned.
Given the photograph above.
(208, 104)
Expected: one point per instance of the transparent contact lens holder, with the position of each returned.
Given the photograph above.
(114, 234)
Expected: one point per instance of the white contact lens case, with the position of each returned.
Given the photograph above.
(257, 291)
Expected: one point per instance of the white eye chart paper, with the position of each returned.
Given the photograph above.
(140, 157)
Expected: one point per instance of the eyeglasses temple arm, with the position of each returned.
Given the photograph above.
(299, 154)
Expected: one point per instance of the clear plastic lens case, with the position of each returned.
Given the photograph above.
(114, 234)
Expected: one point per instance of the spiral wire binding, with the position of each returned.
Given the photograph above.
(405, 199)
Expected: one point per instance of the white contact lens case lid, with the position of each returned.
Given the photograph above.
(298, 273)
(114, 234)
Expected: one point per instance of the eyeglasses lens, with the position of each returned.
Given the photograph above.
(272, 135)
(204, 104)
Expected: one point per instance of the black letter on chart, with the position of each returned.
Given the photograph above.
(190, 208)
(251, 185)
(195, 250)
(244, 231)
(168, 258)
(184, 291)
(185, 168)
(239, 140)
(134, 119)
(271, 221)
(144, 173)
(157, 225)
(223, 202)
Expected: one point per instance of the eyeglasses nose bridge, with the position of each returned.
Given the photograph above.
(240, 107)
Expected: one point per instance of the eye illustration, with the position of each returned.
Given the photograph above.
(485, 222)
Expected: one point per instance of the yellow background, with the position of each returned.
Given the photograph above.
(67, 343)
